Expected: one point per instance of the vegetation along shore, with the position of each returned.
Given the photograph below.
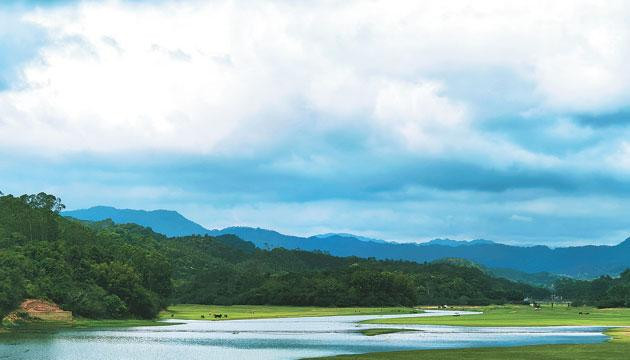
(617, 348)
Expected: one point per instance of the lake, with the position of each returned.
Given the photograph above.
(287, 338)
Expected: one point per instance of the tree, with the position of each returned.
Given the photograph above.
(12, 282)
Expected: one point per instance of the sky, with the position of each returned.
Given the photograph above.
(404, 121)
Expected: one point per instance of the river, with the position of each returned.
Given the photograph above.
(286, 338)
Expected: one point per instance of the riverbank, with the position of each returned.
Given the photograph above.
(238, 312)
(201, 312)
(617, 348)
(35, 325)
(269, 339)
(521, 315)
(33, 315)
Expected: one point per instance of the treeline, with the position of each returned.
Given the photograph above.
(602, 292)
(97, 274)
(103, 270)
(247, 275)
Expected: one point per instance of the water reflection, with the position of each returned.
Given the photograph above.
(290, 338)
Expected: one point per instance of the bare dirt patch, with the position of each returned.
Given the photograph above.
(44, 310)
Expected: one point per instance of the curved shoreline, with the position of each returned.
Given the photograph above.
(283, 338)
(615, 346)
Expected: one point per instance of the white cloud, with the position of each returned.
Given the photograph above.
(522, 218)
(333, 93)
(565, 129)
(590, 74)
(420, 115)
(619, 159)
(210, 77)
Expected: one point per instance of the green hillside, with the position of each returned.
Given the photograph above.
(104, 270)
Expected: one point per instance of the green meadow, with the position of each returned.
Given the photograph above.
(617, 348)
(234, 312)
(525, 316)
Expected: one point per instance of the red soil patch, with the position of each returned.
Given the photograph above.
(34, 306)
(44, 310)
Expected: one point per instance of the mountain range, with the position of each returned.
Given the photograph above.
(532, 262)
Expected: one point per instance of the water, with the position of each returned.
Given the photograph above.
(289, 338)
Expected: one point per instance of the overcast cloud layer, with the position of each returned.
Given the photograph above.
(504, 120)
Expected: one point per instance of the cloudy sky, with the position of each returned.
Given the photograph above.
(406, 121)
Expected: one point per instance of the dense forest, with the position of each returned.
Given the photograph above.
(103, 270)
(602, 292)
(228, 270)
(93, 273)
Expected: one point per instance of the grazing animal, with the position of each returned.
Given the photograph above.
(203, 317)
(217, 316)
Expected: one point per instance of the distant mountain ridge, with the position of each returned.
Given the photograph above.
(167, 222)
(456, 243)
(579, 261)
(362, 238)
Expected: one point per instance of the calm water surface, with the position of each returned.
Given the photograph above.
(289, 338)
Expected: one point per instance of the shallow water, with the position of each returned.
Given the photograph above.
(288, 338)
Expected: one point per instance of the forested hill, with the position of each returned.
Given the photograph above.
(578, 262)
(94, 273)
(104, 270)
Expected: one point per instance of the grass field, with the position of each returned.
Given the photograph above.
(195, 312)
(525, 316)
(617, 348)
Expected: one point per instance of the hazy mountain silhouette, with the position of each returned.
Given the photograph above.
(578, 261)
(455, 243)
(167, 222)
